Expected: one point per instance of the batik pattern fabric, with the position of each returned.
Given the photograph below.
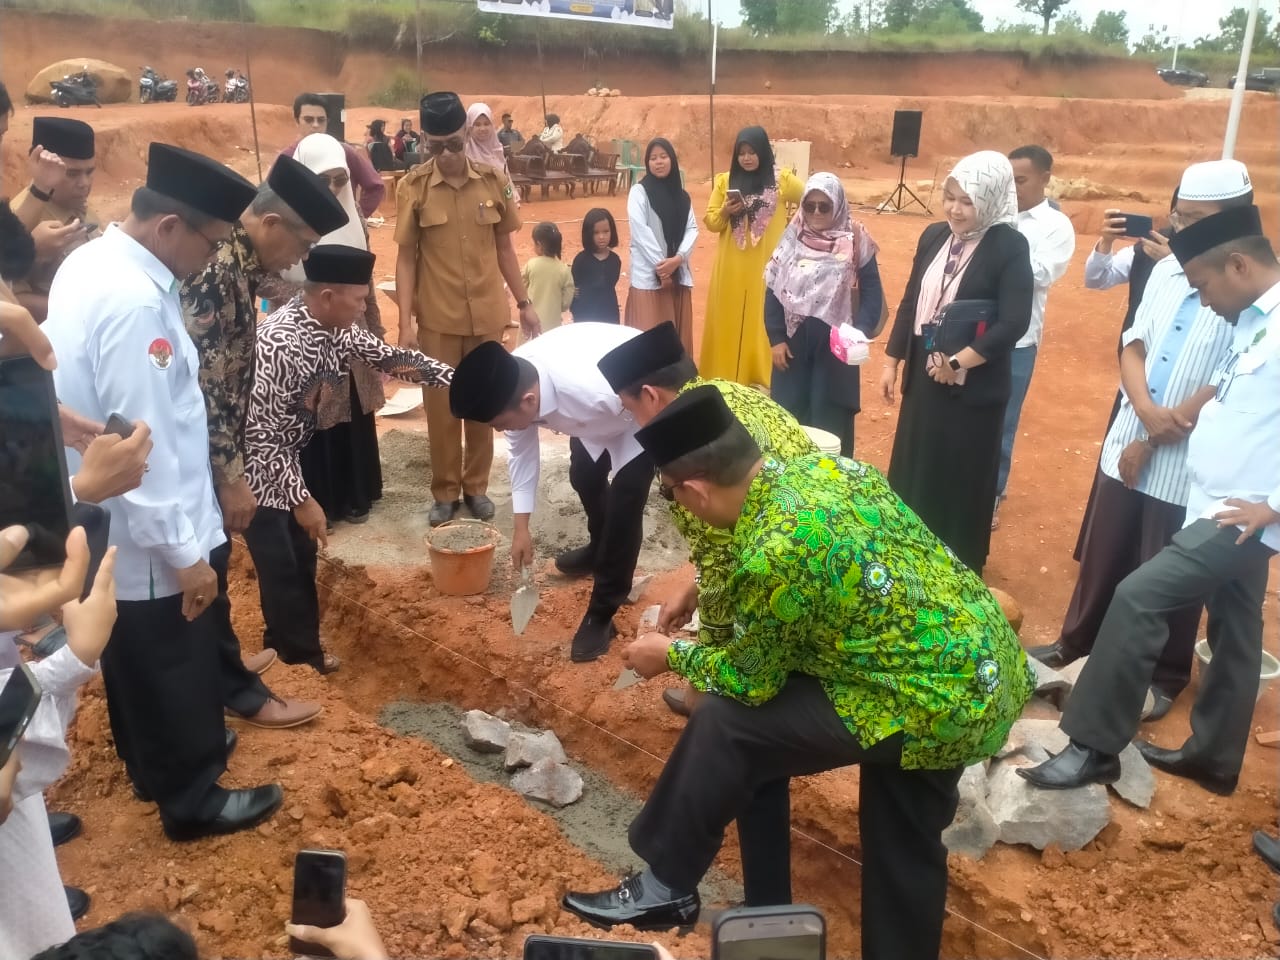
(297, 360)
(835, 577)
(220, 310)
(778, 435)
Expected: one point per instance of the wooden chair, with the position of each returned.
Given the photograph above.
(518, 166)
(602, 168)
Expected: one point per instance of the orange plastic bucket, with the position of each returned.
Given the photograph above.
(461, 555)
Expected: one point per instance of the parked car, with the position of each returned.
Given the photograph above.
(1266, 80)
(1182, 77)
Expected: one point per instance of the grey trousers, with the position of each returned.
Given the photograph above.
(1202, 565)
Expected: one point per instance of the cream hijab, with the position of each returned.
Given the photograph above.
(987, 177)
(321, 153)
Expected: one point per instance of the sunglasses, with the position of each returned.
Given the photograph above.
(453, 145)
(817, 206)
(953, 258)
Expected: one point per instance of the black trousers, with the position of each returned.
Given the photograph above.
(165, 704)
(727, 764)
(1123, 530)
(1202, 565)
(242, 690)
(285, 558)
(615, 521)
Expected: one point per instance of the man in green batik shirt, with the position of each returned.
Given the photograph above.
(858, 638)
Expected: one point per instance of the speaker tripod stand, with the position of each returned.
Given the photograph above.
(896, 200)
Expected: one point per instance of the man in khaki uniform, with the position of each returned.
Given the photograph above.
(62, 204)
(454, 225)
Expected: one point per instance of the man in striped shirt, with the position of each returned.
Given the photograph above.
(1169, 355)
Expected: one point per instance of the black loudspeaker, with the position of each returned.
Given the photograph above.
(335, 105)
(906, 133)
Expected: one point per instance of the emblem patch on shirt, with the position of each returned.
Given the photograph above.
(507, 192)
(160, 353)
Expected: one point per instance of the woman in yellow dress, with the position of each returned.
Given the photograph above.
(744, 211)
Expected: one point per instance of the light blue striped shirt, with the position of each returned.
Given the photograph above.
(1185, 343)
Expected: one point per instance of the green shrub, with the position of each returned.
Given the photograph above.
(400, 92)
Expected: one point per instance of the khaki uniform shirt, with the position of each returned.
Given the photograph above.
(40, 277)
(455, 229)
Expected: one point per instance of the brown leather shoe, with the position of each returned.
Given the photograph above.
(279, 714)
(331, 663)
(260, 663)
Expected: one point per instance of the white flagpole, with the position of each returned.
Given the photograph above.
(1237, 95)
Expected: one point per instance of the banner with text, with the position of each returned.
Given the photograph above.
(644, 13)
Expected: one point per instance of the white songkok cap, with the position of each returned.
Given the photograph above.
(1215, 180)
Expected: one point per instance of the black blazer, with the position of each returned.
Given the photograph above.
(1000, 270)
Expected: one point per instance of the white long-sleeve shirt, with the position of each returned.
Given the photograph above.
(115, 322)
(576, 400)
(1102, 271)
(1052, 240)
(649, 246)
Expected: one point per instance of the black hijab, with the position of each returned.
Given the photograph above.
(763, 176)
(667, 197)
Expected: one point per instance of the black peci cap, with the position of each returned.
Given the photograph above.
(641, 356)
(690, 422)
(335, 263)
(68, 138)
(199, 182)
(1234, 223)
(307, 194)
(442, 113)
(484, 383)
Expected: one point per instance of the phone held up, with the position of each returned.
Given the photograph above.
(1138, 226)
(319, 895)
(119, 426)
(18, 702)
(791, 932)
(538, 947)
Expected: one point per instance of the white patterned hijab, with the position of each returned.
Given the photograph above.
(987, 178)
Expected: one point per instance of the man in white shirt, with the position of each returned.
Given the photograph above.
(1052, 239)
(116, 325)
(1219, 558)
(1140, 493)
(553, 381)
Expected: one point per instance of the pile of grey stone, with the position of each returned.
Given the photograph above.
(535, 758)
(998, 806)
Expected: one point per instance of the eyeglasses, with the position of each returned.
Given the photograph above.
(453, 145)
(1181, 220)
(817, 206)
(953, 258)
(668, 490)
(213, 244)
(337, 181)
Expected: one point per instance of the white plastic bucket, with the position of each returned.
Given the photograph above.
(827, 443)
(1269, 671)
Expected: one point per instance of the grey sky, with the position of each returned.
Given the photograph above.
(1199, 17)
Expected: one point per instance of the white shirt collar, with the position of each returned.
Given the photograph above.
(1038, 210)
(1269, 301)
(160, 275)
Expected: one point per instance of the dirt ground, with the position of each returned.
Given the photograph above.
(455, 867)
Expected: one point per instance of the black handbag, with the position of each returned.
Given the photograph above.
(958, 324)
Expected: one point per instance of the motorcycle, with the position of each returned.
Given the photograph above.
(75, 90)
(156, 87)
(201, 88)
(237, 88)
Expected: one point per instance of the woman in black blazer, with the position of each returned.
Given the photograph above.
(946, 453)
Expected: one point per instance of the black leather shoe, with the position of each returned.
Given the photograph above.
(1052, 655)
(630, 903)
(1268, 848)
(1076, 766)
(1172, 761)
(442, 512)
(579, 562)
(243, 809)
(592, 640)
(64, 827)
(479, 506)
(233, 739)
(675, 700)
(1161, 704)
(77, 900)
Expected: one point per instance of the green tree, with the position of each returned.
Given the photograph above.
(1070, 24)
(1231, 29)
(764, 17)
(1155, 40)
(1109, 28)
(1046, 10)
(935, 16)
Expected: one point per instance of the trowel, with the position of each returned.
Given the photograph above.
(523, 602)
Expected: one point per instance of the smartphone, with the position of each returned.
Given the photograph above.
(97, 531)
(119, 426)
(319, 895)
(538, 947)
(1136, 225)
(34, 489)
(18, 702)
(734, 195)
(791, 932)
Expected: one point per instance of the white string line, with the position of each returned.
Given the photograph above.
(623, 740)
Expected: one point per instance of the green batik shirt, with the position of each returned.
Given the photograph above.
(780, 437)
(834, 576)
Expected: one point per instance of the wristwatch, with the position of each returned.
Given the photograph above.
(521, 304)
(955, 364)
(39, 194)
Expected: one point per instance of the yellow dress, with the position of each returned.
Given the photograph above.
(734, 344)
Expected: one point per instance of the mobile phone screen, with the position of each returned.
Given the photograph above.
(570, 948)
(1136, 225)
(776, 935)
(18, 702)
(319, 894)
(33, 472)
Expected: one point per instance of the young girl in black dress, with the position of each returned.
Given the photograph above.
(596, 270)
